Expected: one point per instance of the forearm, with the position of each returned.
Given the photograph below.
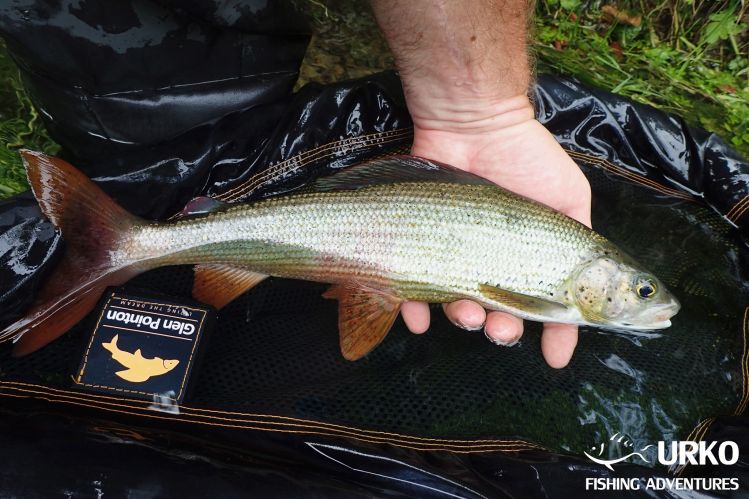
(461, 61)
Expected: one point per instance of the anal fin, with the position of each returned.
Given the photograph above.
(218, 285)
(365, 317)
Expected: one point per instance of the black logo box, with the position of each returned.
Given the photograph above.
(144, 346)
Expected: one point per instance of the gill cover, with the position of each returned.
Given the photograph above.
(594, 289)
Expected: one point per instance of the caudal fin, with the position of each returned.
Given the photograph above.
(92, 226)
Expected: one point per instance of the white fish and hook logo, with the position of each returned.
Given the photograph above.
(626, 443)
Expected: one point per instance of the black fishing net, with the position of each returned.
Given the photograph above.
(273, 380)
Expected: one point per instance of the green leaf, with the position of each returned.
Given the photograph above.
(570, 4)
(722, 25)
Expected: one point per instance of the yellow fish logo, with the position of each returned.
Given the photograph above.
(139, 369)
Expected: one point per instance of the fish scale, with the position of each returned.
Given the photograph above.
(428, 241)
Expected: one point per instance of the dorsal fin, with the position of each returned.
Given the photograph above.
(392, 169)
(202, 205)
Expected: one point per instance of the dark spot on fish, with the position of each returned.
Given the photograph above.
(609, 300)
(582, 288)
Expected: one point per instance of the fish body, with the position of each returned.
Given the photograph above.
(139, 369)
(383, 232)
(425, 241)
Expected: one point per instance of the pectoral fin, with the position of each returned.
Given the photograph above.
(525, 303)
(218, 285)
(364, 318)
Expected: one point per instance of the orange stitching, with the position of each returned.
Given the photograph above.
(738, 215)
(314, 151)
(744, 366)
(623, 171)
(631, 175)
(306, 157)
(298, 162)
(741, 202)
(302, 159)
(155, 303)
(91, 342)
(196, 409)
(699, 432)
(124, 390)
(134, 404)
(310, 424)
(192, 353)
(696, 430)
(499, 446)
(476, 450)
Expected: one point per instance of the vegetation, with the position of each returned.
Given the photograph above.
(688, 57)
(20, 126)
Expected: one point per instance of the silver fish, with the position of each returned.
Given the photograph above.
(382, 232)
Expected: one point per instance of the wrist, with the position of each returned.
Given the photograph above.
(471, 114)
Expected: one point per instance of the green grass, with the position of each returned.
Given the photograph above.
(20, 126)
(687, 57)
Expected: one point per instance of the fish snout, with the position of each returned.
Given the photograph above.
(665, 311)
(658, 316)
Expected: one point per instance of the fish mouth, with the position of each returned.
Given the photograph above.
(655, 317)
(657, 325)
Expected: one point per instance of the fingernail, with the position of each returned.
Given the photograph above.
(500, 342)
(467, 327)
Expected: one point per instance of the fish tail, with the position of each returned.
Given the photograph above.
(92, 226)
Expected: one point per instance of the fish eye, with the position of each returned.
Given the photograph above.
(646, 288)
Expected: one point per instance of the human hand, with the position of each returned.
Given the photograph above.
(505, 144)
(465, 71)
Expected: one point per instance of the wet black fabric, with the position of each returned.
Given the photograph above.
(180, 462)
(645, 140)
(200, 102)
(125, 75)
